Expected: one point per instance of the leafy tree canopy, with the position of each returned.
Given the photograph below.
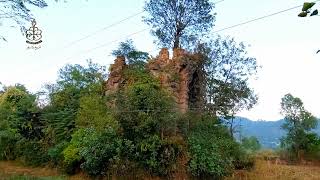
(251, 144)
(298, 123)
(74, 82)
(133, 56)
(175, 22)
(228, 68)
(142, 107)
(19, 112)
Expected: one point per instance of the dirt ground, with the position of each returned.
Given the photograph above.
(263, 170)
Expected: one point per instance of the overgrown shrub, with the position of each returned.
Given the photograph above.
(32, 152)
(71, 155)
(93, 150)
(243, 159)
(72, 159)
(99, 150)
(250, 144)
(8, 139)
(56, 153)
(156, 155)
(94, 113)
(313, 146)
(148, 108)
(213, 152)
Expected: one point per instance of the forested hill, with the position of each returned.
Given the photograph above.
(268, 132)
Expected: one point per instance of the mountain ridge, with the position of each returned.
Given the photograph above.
(268, 133)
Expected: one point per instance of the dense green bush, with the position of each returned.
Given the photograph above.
(310, 150)
(206, 157)
(56, 153)
(19, 119)
(99, 150)
(71, 155)
(242, 158)
(213, 152)
(72, 159)
(251, 144)
(32, 152)
(93, 150)
(94, 113)
(143, 109)
(313, 146)
(156, 155)
(8, 139)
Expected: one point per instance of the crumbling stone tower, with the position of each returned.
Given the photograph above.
(182, 76)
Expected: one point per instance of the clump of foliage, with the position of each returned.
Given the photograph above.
(298, 124)
(177, 23)
(228, 69)
(148, 121)
(32, 152)
(213, 152)
(156, 155)
(251, 144)
(8, 139)
(148, 108)
(135, 58)
(68, 99)
(94, 113)
(313, 146)
(19, 121)
(93, 150)
(55, 153)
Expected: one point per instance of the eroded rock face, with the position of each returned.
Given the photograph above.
(116, 75)
(181, 76)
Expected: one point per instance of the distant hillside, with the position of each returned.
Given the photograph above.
(268, 132)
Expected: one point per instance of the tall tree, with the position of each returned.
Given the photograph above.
(228, 69)
(175, 22)
(74, 82)
(298, 124)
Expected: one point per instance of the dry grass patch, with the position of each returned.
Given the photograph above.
(266, 170)
(14, 168)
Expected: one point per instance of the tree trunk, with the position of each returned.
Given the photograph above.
(176, 43)
(231, 129)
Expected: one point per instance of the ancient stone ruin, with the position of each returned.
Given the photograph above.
(181, 75)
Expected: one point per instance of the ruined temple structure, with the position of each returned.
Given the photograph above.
(182, 76)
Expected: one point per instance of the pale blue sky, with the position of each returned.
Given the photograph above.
(284, 45)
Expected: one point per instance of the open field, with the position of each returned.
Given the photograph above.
(262, 171)
(14, 171)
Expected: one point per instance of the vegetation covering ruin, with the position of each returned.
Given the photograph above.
(159, 117)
